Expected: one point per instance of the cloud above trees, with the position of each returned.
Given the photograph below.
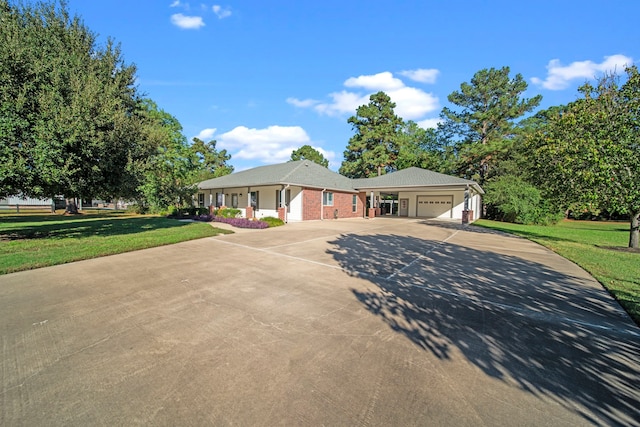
(273, 144)
(561, 76)
(412, 103)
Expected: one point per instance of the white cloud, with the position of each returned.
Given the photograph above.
(559, 76)
(181, 5)
(221, 12)
(343, 102)
(273, 144)
(187, 22)
(302, 103)
(382, 81)
(422, 75)
(411, 103)
(206, 135)
(429, 123)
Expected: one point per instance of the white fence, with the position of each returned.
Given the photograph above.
(17, 204)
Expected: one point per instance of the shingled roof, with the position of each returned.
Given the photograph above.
(413, 177)
(303, 173)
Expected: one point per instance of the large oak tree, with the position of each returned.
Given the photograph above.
(589, 151)
(69, 122)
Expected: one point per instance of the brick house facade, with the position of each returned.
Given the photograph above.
(342, 205)
(302, 191)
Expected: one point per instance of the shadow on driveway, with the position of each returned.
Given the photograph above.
(550, 334)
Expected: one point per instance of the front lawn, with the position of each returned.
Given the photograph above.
(598, 247)
(33, 241)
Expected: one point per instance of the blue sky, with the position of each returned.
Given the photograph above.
(266, 77)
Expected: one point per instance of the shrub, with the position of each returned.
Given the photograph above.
(228, 213)
(511, 199)
(272, 221)
(137, 209)
(241, 222)
(173, 211)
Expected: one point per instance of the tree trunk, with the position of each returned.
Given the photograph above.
(72, 207)
(634, 234)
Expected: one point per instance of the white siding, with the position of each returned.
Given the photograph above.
(295, 211)
(266, 203)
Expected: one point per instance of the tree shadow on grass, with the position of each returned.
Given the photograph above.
(87, 226)
(551, 334)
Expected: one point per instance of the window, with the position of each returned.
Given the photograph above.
(254, 199)
(287, 200)
(200, 200)
(354, 202)
(327, 198)
(278, 201)
(234, 200)
(219, 197)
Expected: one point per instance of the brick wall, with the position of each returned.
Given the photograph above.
(343, 202)
(311, 203)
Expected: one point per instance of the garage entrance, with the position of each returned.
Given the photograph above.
(435, 206)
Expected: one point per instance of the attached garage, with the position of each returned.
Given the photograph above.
(423, 194)
(435, 206)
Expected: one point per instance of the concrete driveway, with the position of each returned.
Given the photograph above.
(347, 322)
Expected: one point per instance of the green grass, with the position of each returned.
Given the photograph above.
(598, 247)
(29, 241)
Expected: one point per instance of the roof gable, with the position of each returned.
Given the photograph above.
(302, 173)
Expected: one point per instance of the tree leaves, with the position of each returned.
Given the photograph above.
(587, 153)
(485, 121)
(374, 148)
(68, 106)
(307, 152)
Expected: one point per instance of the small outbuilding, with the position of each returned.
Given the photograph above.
(303, 190)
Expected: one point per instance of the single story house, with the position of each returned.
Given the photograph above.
(303, 190)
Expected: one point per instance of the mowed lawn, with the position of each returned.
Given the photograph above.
(29, 241)
(598, 247)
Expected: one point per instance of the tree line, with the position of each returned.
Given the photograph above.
(583, 157)
(73, 123)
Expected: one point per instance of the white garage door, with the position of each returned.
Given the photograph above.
(435, 206)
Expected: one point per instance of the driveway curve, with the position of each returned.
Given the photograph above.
(345, 322)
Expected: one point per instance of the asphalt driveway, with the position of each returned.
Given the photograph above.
(347, 322)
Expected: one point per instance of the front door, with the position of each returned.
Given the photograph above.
(404, 207)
